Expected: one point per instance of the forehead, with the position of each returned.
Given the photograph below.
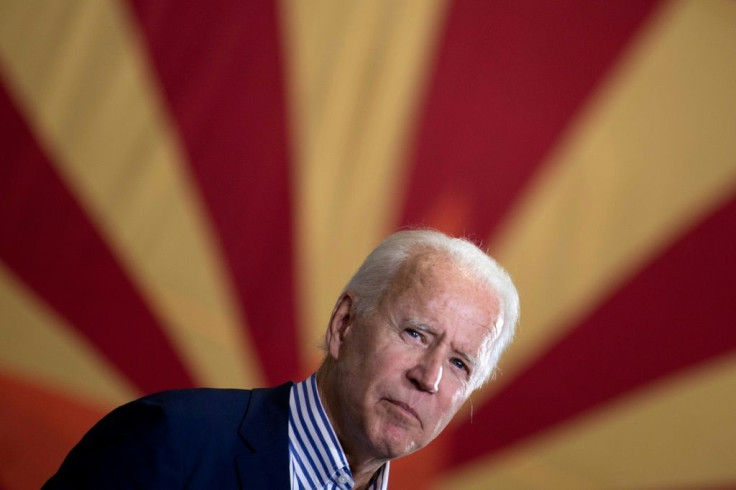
(439, 292)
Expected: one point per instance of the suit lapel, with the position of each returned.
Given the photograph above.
(265, 431)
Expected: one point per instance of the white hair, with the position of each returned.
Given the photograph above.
(376, 275)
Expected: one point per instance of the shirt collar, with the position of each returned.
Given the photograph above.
(317, 456)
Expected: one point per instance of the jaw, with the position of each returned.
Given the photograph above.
(394, 432)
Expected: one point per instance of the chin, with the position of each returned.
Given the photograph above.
(396, 445)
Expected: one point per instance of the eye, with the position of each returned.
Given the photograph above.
(460, 364)
(414, 334)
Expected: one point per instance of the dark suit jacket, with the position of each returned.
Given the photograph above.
(199, 438)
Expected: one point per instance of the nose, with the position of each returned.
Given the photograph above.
(426, 373)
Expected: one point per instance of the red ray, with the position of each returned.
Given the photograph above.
(508, 78)
(220, 68)
(34, 439)
(48, 242)
(677, 312)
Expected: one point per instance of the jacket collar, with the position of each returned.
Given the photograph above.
(265, 431)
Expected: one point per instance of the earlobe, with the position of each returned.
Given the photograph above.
(340, 322)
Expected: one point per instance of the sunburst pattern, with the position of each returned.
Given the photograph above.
(185, 189)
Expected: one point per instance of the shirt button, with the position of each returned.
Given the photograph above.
(342, 479)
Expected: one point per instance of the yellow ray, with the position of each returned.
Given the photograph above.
(653, 153)
(678, 434)
(36, 343)
(78, 71)
(356, 72)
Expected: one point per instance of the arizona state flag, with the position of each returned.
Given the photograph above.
(185, 187)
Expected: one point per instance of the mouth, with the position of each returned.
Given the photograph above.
(405, 408)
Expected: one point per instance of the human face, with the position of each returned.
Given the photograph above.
(405, 370)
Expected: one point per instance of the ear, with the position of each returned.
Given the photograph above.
(340, 322)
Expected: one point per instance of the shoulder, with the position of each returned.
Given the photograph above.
(163, 439)
(184, 416)
(188, 413)
(210, 408)
(194, 402)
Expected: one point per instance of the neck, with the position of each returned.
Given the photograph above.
(362, 465)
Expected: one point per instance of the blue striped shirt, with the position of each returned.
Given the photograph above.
(317, 460)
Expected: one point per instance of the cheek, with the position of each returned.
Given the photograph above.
(384, 369)
(373, 367)
(452, 403)
(391, 355)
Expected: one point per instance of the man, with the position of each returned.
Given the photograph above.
(416, 330)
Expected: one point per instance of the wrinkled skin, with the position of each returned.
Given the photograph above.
(394, 379)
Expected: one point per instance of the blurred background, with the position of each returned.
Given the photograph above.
(185, 188)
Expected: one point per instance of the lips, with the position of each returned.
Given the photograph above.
(405, 408)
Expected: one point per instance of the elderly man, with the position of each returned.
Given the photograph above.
(416, 330)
